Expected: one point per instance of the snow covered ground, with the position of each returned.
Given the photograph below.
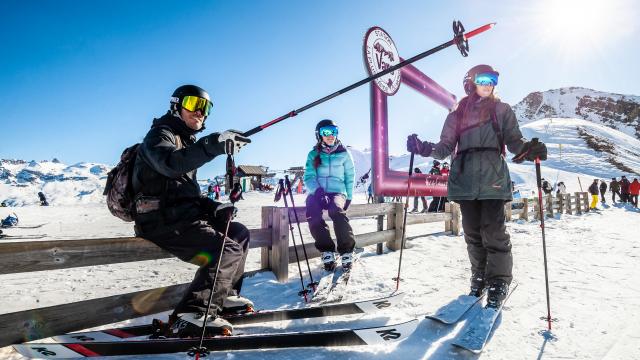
(594, 284)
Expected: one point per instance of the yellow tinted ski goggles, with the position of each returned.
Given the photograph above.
(193, 103)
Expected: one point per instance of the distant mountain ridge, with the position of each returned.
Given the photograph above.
(617, 111)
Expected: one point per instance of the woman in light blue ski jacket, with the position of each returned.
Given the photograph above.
(329, 177)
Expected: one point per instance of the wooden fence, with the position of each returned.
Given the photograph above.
(526, 208)
(272, 238)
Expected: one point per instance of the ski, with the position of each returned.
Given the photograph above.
(333, 283)
(339, 337)
(474, 336)
(453, 312)
(129, 332)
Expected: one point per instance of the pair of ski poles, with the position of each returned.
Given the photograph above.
(284, 188)
(541, 216)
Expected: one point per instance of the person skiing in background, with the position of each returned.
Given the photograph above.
(634, 190)
(624, 189)
(593, 190)
(210, 192)
(561, 189)
(546, 187)
(445, 169)
(415, 199)
(370, 193)
(437, 202)
(603, 190)
(614, 187)
(329, 176)
(43, 199)
(171, 213)
(479, 181)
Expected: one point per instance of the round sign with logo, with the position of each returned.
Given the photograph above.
(380, 53)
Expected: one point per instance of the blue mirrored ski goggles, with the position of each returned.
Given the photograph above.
(328, 131)
(486, 79)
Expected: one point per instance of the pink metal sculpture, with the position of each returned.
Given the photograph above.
(387, 182)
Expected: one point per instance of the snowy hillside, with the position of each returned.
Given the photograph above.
(617, 111)
(81, 183)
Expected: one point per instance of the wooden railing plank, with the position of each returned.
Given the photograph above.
(18, 257)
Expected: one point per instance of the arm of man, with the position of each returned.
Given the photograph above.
(160, 151)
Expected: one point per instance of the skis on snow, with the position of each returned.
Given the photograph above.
(453, 312)
(352, 308)
(333, 283)
(342, 337)
(475, 334)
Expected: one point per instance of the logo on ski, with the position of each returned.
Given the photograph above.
(389, 334)
(44, 351)
(382, 304)
(380, 54)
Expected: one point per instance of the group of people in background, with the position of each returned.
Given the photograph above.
(627, 191)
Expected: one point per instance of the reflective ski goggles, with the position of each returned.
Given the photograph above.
(489, 78)
(328, 131)
(193, 103)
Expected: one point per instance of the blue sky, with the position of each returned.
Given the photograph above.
(82, 80)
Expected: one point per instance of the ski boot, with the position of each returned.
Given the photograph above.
(496, 294)
(329, 260)
(187, 325)
(347, 261)
(477, 284)
(236, 304)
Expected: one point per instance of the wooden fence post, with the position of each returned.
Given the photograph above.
(536, 209)
(567, 206)
(267, 223)
(560, 199)
(507, 210)
(578, 203)
(549, 205)
(279, 251)
(456, 220)
(395, 222)
(585, 196)
(524, 215)
(447, 223)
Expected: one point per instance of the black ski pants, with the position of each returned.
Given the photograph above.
(488, 243)
(613, 196)
(424, 203)
(319, 229)
(200, 243)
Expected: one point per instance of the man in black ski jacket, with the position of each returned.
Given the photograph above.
(603, 190)
(614, 187)
(171, 212)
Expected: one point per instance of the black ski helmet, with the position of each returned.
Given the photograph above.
(469, 78)
(186, 90)
(323, 123)
(436, 163)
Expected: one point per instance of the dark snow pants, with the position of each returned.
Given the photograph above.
(424, 203)
(488, 243)
(319, 228)
(613, 196)
(200, 243)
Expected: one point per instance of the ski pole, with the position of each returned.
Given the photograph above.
(404, 220)
(544, 244)
(458, 39)
(202, 350)
(304, 291)
(313, 284)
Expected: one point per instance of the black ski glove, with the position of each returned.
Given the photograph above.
(346, 205)
(530, 151)
(225, 211)
(416, 146)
